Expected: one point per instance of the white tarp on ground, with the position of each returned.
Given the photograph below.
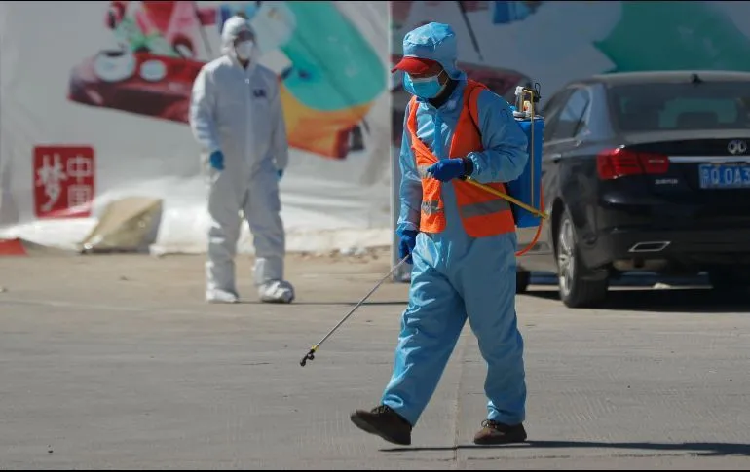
(98, 87)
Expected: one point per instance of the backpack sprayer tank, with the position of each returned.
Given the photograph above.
(528, 186)
(526, 192)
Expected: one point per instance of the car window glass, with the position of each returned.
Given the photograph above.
(551, 111)
(710, 105)
(571, 115)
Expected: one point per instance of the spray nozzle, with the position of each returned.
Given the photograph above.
(536, 94)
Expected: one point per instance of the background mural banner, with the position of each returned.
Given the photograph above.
(506, 44)
(94, 100)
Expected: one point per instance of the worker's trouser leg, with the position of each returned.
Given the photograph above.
(430, 328)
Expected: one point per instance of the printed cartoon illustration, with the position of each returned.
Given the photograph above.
(555, 42)
(333, 74)
(674, 36)
(508, 12)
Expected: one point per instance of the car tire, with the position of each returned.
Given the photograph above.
(729, 280)
(575, 290)
(523, 280)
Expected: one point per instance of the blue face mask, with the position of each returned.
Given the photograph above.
(422, 88)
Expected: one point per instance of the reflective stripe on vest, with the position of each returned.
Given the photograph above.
(484, 208)
(482, 213)
(431, 207)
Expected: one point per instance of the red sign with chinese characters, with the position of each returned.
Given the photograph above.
(63, 181)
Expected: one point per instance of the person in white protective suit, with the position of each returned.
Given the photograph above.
(236, 116)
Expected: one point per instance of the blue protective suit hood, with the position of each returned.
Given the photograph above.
(436, 41)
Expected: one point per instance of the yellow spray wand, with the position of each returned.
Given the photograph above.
(505, 196)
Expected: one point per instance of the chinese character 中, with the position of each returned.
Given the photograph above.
(49, 176)
(79, 167)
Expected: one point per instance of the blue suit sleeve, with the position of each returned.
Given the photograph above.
(504, 142)
(202, 106)
(410, 190)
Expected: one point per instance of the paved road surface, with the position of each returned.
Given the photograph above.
(116, 362)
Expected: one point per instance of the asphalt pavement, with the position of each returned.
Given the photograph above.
(116, 362)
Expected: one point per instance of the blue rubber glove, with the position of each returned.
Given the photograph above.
(216, 159)
(406, 243)
(280, 174)
(449, 169)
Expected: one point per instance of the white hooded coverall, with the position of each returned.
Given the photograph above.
(237, 111)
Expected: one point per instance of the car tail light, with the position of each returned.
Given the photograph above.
(621, 162)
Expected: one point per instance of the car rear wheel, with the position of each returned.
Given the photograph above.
(575, 290)
(523, 280)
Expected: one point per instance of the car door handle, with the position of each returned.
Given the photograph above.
(555, 157)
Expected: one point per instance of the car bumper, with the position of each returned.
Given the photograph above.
(698, 248)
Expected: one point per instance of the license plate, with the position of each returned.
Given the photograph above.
(724, 176)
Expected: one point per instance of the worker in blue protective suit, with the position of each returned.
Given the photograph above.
(455, 276)
(236, 116)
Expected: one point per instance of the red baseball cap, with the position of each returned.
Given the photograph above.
(416, 65)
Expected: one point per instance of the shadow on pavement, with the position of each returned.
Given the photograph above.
(703, 449)
(401, 303)
(672, 300)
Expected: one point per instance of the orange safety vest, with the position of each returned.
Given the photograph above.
(482, 213)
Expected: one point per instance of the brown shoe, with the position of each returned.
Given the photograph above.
(384, 422)
(494, 432)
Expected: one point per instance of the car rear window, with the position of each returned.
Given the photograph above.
(707, 105)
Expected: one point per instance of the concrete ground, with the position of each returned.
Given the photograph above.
(116, 362)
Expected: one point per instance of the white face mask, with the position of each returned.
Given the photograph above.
(244, 49)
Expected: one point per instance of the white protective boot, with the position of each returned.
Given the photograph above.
(276, 291)
(220, 296)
